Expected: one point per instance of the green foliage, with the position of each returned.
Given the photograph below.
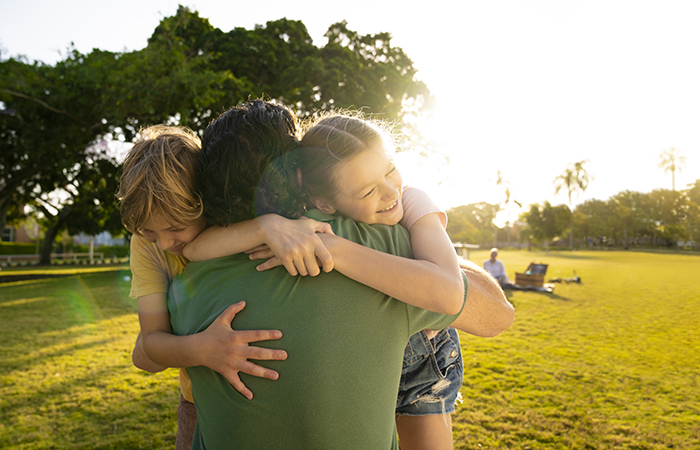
(545, 222)
(472, 223)
(17, 248)
(279, 60)
(660, 216)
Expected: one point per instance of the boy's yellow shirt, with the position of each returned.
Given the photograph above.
(152, 271)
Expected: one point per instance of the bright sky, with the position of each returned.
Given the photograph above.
(524, 87)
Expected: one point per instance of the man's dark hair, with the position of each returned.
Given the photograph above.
(247, 165)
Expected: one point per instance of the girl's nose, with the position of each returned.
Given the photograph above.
(389, 191)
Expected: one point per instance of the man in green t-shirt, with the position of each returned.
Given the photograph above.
(345, 341)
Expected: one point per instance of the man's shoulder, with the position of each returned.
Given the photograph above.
(387, 238)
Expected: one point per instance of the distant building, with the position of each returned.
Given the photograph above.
(12, 234)
(103, 238)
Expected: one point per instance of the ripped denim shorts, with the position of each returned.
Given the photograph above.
(432, 374)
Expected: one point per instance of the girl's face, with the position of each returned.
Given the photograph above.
(170, 238)
(369, 189)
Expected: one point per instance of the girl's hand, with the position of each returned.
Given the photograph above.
(227, 351)
(296, 245)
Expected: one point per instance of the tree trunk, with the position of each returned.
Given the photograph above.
(571, 237)
(47, 245)
(4, 204)
(51, 233)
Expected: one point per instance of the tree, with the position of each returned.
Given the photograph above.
(280, 60)
(85, 203)
(505, 203)
(545, 222)
(48, 121)
(672, 213)
(574, 179)
(471, 223)
(189, 71)
(694, 191)
(672, 160)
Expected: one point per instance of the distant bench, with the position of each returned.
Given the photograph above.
(463, 249)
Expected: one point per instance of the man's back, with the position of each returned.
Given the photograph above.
(345, 341)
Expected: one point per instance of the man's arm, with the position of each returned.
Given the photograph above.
(486, 312)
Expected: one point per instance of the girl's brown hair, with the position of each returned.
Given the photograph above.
(330, 142)
(158, 177)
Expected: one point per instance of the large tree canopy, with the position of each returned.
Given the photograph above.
(280, 60)
(189, 72)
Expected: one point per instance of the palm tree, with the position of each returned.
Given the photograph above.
(575, 180)
(505, 204)
(672, 160)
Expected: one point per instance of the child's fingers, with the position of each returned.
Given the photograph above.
(324, 227)
(247, 336)
(258, 371)
(269, 264)
(325, 258)
(239, 386)
(259, 248)
(300, 264)
(312, 265)
(230, 312)
(261, 254)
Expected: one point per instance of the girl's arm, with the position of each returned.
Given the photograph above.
(486, 311)
(294, 242)
(431, 281)
(219, 347)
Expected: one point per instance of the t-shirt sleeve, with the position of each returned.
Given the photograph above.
(420, 319)
(417, 204)
(152, 270)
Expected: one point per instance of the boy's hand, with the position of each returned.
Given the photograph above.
(227, 351)
(295, 244)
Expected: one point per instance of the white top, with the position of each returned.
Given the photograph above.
(496, 268)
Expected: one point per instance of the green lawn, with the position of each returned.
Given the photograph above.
(609, 363)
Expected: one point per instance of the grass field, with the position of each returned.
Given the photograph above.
(611, 363)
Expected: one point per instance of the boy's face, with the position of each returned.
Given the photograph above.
(169, 237)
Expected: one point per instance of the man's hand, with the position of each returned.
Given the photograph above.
(227, 351)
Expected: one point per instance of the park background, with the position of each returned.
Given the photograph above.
(500, 103)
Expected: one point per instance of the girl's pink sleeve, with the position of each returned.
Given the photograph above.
(417, 204)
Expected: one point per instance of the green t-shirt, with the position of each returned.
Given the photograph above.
(345, 341)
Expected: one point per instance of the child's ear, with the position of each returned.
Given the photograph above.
(324, 206)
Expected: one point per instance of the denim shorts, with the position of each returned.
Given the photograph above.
(432, 374)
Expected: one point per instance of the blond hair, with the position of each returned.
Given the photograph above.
(158, 177)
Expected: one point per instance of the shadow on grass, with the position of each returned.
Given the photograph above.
(57, 304)
(66, 380)
(557, 297)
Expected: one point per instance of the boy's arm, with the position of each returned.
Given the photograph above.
(218, 347)
(141, 359)
(294, 242)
